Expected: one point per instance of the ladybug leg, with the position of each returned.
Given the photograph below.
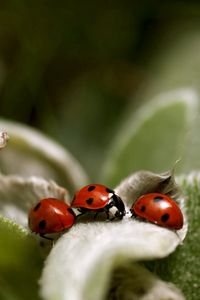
(81, 211)
(133, 214)
(96, 214)
(79, 215)
(107, 211)
(47, 238)
(178, 236)
(108, 215)
(100, 211)
(111, 219)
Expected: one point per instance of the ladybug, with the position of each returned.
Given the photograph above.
(98, 198)
(50, 215)
(159, 209)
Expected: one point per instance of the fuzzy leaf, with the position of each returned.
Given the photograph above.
(144, 182)
(154, 137)
(31, 153)
(127, 282)
(18, 194)
(20, 257)
(81, 263)
(20, 263)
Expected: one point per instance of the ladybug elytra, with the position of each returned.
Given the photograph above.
(98, 198)
(50, 215)
(159, 209)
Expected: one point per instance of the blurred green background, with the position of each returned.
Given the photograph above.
(74, 69)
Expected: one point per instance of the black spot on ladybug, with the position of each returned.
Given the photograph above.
(109, 190)
(37, 206)
(165, 217)
(157, 199)
(143, 208)
(91, 188)
(42, 224)
(89, 201)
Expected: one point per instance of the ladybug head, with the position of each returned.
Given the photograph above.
(116, 207)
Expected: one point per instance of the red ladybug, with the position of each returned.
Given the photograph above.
(159, 209)
(50, 215)
(98, 198)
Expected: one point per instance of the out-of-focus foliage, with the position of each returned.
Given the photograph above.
(31, 153)
(155, 137)
(72, 68)
(65, 67)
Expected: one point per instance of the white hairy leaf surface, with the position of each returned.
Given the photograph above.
(18, 194)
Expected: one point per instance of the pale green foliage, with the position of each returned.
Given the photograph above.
(154, 137)
(20, 263)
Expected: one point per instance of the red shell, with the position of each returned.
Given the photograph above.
(92, 196)
(50, 215)
(159, 209)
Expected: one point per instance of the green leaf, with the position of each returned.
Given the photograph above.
(154, 137)
(176, 63)
(29, 153)
(183, 266)
(20, 263)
